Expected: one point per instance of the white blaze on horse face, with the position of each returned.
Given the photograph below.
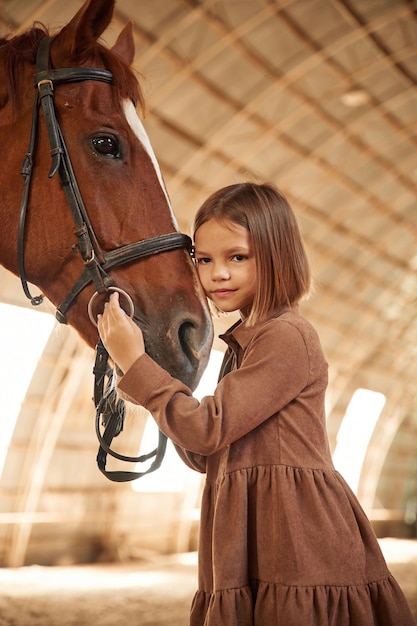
(140, 132)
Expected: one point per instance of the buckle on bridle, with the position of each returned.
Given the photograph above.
(91, 259)
(44, 81)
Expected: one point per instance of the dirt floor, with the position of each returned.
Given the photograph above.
(156, 593)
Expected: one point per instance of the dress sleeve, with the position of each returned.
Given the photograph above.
(274, 370)
(197, 462)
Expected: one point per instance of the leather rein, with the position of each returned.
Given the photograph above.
(110, 410)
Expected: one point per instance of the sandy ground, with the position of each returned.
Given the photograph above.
(155, 593)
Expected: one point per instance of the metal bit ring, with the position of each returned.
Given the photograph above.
(122, 292)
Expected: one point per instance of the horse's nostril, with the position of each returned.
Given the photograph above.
(187, 336)
(195, 340)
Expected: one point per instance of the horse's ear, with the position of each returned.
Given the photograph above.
(125, 44)
(83, 30)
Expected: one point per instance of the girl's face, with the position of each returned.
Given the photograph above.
(226, 265)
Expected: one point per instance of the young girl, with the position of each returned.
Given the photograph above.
(283, 540)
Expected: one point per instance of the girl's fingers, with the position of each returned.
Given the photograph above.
(116, 309)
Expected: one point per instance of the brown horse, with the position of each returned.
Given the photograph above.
(93, 204)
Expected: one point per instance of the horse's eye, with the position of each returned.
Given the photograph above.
(106, 145)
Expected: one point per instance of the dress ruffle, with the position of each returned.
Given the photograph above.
(379, 603)
(313, 560)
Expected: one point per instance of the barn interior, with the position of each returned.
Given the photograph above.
(318, 97)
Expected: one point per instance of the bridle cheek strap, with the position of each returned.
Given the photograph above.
(45, 80)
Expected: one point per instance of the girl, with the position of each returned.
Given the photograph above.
(283, 540)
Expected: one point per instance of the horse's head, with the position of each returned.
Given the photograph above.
(117, 180)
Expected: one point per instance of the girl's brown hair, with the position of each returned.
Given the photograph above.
(282, 266)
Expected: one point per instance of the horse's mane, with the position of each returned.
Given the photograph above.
(22, 48)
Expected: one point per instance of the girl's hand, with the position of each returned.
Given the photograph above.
(121, 337)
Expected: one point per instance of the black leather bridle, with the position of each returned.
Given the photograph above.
(97, 263)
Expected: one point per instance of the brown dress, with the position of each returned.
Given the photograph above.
(283, 540)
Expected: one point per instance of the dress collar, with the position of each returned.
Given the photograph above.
(239, 335)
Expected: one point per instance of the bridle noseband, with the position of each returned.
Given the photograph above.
(96, 262)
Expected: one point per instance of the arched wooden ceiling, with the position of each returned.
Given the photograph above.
(318, 96)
